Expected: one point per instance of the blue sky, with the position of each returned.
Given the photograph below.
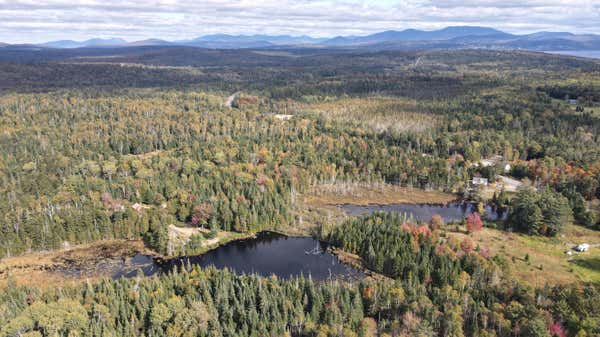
(31, 21)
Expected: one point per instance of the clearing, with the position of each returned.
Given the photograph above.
(180, 236)
(373, 193)
(538, 260)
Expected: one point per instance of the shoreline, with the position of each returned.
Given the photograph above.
(51, 267)
(356, 262)
(386, 194)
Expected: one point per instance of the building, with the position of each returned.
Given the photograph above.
(479, 181)
(584, 247)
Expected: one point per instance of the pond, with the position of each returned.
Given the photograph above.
(424, 212)
(270, 253)
(267, 254)
(275, 254)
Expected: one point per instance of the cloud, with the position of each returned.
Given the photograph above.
(42, 20)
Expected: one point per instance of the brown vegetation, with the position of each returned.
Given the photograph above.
(357, 262)
(377, 113)
(43, 269)
(373, 193)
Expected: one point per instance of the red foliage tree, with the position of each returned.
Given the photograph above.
(557, 330)
(201, 214)
(422, 230)
(474, 222)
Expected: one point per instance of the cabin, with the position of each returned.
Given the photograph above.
(478, 181)
(283, 117)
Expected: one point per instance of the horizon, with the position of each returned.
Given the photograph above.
(107, 38)
(54, 20)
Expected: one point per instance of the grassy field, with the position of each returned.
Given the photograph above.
(538, 260)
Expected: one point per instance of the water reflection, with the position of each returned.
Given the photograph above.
(267, 254)
(275, 254)
(424, 212)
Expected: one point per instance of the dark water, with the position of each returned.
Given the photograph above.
(139, 263)
(424, 212)
(267, 254)
(275, 254)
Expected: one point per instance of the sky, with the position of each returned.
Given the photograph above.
(34, 21)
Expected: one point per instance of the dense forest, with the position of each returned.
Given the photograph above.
(440, 290)
(73, 162)
(123, 147)
(86, 155)
(483, 295)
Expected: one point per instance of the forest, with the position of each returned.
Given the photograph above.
(127, 143)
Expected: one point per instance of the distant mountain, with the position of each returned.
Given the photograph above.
(467, 37)
(21, 47)
(149, 42)
(418, 35)
(457, 37)
(63, 44)
(88, 43)
(225, 41)
(548, 35)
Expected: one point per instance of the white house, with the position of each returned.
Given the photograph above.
(584, 247)
(480, 181)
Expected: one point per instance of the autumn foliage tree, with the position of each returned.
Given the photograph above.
(474, 222)
(202, 214)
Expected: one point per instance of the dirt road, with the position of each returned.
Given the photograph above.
(230, 100)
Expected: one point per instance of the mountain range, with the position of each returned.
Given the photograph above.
(409, 39)
(88, 43)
